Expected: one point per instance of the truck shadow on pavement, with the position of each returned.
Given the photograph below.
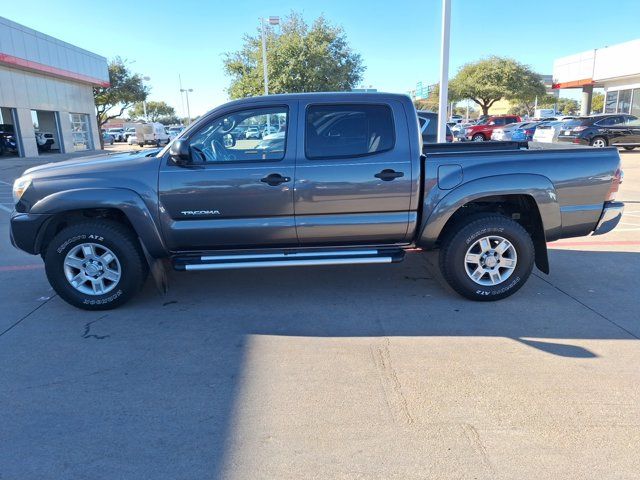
(152, 390)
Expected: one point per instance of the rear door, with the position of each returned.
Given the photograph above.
(238, 192)
(353, 173)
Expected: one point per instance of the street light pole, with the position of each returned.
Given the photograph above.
(444, 72)
(272, 21)
(144, 102)
(264, 58)
(186, 94)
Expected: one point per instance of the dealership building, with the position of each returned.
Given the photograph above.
(46, 92)
(615, 68)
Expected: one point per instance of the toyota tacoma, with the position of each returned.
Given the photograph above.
(343, 181)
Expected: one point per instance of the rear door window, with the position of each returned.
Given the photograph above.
(339, 131)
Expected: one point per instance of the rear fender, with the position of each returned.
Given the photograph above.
(538, 187)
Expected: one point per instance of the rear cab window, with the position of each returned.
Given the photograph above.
(348, 130)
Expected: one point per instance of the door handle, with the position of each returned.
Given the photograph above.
(387, 175)
(275, 179)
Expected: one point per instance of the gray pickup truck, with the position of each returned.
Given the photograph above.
(323, 179)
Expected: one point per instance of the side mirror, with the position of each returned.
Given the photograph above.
(179, 152)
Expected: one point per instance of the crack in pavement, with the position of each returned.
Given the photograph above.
(587, 306)
(87, 330)
(28, 314)
(394, 396)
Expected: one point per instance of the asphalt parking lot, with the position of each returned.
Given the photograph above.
(363, 372)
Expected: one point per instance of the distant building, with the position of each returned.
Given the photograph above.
(46, 86)
(615, 68)
(502, 107)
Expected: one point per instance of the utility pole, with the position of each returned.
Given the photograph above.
(444, 72)
(272, 21)
(186, 93)
(144, 102)
(181, 96)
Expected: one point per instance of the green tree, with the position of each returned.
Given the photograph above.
(124, 90)
(492, 79)
(301, 58)
(597, 103)
(155, 111)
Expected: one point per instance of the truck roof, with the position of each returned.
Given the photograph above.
(320, 96)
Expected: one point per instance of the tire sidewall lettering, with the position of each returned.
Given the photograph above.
(74, 239)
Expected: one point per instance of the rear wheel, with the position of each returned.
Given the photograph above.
(629, 148)
(487, 259)
(95, 265)
(599, 142)
(478, 137)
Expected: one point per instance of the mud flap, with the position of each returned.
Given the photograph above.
(158, 269)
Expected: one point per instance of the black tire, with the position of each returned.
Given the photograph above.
(478, 137)
(454, 249)
(114, 236)
(629, 148)
(595, 139)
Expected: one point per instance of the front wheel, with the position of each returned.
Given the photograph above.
(95, 265)
(478, 137)
(629, 148)
(487, 259)
(599, 142)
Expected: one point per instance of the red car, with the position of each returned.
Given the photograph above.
(482, 131)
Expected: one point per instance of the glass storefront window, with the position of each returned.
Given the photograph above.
(80, 131)
(624, 101)
(635, 103)
(611, 102)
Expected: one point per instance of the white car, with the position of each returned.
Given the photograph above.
(117, 134)
(503, 134)
(547, 132)
(131, 131)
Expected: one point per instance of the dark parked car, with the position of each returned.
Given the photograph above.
(618, 130)
(344, 183)
(429, 127)
(7, 139)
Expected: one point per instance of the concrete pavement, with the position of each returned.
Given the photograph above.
(369, 372)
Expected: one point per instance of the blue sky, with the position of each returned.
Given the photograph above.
(399, 40)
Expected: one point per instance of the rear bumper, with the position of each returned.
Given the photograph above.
(573, 139)
(26, 229)
(611, 215)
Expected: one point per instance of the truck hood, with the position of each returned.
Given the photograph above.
(89, 163)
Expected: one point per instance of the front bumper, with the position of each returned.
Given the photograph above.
(611, 215)
(26, 231)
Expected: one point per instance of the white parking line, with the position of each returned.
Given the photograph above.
(6, 209)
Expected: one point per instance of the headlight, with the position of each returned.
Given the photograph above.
(19, 187)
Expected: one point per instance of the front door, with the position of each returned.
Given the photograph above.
(238, 190)
(353, 175)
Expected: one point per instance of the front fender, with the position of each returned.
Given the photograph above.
(125, 200)
(537, 186)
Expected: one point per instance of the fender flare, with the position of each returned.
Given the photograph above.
(125, 200)
(539, 187)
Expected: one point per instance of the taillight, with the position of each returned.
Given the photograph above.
(579, 129)
(615, 184)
